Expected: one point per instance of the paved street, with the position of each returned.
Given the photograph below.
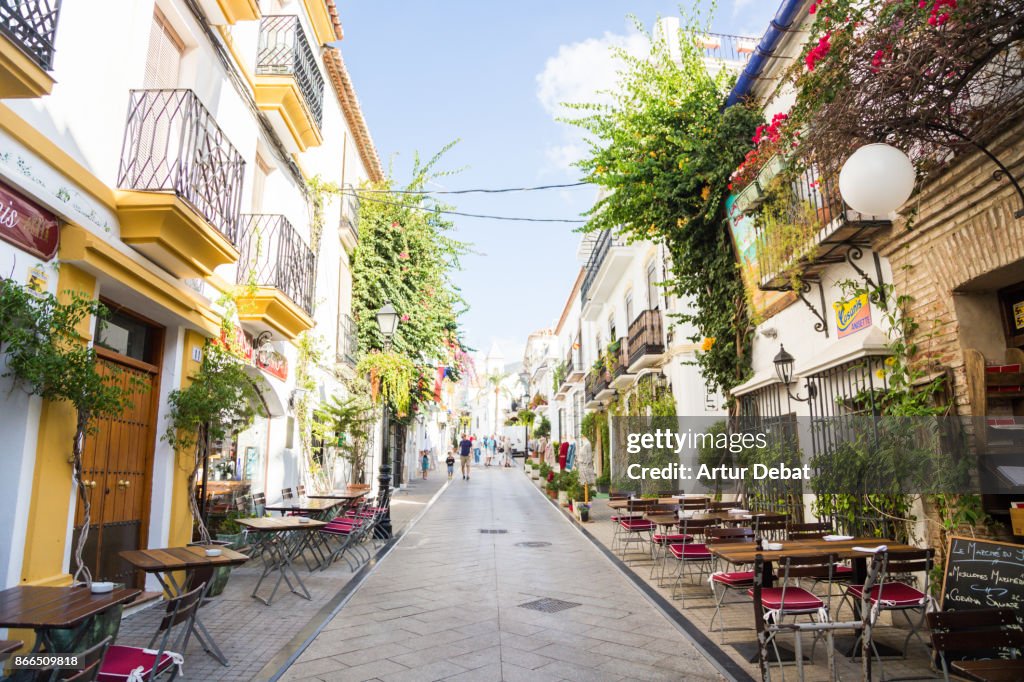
(448, 602)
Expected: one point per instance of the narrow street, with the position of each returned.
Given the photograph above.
(449, 602)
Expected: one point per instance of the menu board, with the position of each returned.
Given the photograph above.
(982, 574)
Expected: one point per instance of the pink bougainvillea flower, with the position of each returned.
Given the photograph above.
(394, 224)
(813, 8)
(405, 318)
(403, 255)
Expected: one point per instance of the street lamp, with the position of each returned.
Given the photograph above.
(524, 376)
(784, 369)
(387, 323)
(877, 179)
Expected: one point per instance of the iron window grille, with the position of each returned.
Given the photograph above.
(273, 254)
(646, 335)
(173, 144)
(725, 47)
(350, 209)
(347, 340)
(284, 51)
(32, 26)
(605, 241)
(762, 411)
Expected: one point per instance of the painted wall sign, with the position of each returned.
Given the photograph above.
(265, 358)
(853, 315)
(29, 227)
(1018, 315)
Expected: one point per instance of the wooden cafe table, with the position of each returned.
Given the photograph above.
(162, 563)
(287, 538)
(44, 609)
(315, 507)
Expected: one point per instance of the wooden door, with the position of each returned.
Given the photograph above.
(117, 465)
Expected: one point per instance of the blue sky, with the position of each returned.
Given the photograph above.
(492, 74)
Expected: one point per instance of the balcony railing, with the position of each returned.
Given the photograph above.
(274, 255)
(727, 48)
(573, 364)
(814, 229)
(620, 358)
(596, 381)
(347, 340)
(646, 336)
(605, 241)
(32, 26)
(350, 209)
(173, 144)
(284, 51)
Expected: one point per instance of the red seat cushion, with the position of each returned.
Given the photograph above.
(797, 599)
(661, 538)
(733, 579)
(893, 594)
(636, 524)
(690, 552)
(120, 661)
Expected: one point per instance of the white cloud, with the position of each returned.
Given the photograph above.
(580, 73)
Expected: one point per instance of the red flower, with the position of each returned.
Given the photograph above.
(403, 256)
(813, 8)
(405, 318)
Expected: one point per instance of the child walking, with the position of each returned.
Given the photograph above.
(451, 465)
(426, 465)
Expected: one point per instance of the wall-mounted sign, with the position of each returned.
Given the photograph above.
(266, 357)
(37, 278)
(26, 225)
(1018, 315)
(853, 315)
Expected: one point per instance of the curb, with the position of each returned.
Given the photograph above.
(722, 662)
(286, 656)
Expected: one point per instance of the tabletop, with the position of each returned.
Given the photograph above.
(38, 606)
(305, 504)
(272, 524)
(181, 558)
(339, 495)
(745, 553)
(9, 646)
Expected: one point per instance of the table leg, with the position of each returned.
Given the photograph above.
(171, 586)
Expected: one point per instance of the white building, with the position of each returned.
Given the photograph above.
(171, 144)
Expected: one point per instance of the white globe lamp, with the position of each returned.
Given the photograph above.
(877, 179)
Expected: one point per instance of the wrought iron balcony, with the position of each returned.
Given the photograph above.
(646, 340)
(621, 376)
(573, 365)
(32, 26)
(274, 255)
(607, 262)
(723, 47)
(284, 51)
(347, 340)
(815, 229)
(173, 144)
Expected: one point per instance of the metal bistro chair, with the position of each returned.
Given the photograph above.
(691, 553)
(661, 541)
(735, 581)
(771, 529)
(634, 528)
(89, 662)
(148, 663)
(773, 604)
(966, 640)
(300, 490)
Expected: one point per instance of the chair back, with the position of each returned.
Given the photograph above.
(696, 526)
(640, 506)
(620, 495)
(809, 531)
(694, 504)
(724, 536)
(670, 493)
(713, 506)
(242, 504)
(817, 567)
(662, 509)
(259, 504)
(771, 528)
(182, 608)
(960, 635)
(287, 493)
(89, 662)
(905, 562)
(300, 490)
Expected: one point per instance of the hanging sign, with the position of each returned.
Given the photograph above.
(29, 227)
(853, 315)
(265, 358)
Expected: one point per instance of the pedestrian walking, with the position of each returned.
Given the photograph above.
(425, 464)
(451, 464)
(465, 445)
(488, 449)
(508, 451)
(476, 449)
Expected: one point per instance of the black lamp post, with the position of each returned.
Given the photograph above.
(524, 376)
(387, 322)
(784, 369)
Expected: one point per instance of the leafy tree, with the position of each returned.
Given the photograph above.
(46, 357)
(663, 150)
(349, 420)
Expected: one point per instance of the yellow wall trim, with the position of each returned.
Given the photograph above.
(243, 68)
(90, 252)
(239, 10)
(273, 308)
(20, 76)
(281, 95)
(320, 20)
(26, 134)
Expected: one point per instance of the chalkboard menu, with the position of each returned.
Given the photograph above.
(982, 574)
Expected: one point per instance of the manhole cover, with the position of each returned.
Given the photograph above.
(533, 544)
(494, 531)
(549, 605)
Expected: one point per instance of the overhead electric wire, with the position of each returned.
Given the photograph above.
(460, 213)
(501, 190)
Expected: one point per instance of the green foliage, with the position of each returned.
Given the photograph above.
(46, 357)
(526, 418)
(349, 421)
(543, 428)
(393, 374)
(558, 376)
(664, 150)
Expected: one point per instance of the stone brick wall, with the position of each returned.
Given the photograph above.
(960, 227)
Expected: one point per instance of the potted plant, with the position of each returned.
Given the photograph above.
(229, 532)
(604, 482)
(551, 487)
(583, 511)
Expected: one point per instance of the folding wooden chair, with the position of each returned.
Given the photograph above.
(961, 637)
(735, 581)
(122, 663)
(770, 528)
(634, 528)
(808, 531)
(89, 664)
(691, 553)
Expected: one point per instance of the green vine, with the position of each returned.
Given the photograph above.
(391, 377)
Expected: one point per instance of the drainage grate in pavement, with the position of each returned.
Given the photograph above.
(533, 544)
(549, 605)
(494, 531)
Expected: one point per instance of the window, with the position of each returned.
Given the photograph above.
(259, 183)
(128, 336)
(163, 57)
(629, 308)
(611, 328)
(652, 285)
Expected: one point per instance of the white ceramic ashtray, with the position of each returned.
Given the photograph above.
(837, 538)
(303, 519)
(773, 546)
(102, 587)
(685, 514)
(739, 511)
(213, 551)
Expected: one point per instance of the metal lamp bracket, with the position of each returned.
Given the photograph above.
(877, 295)
(805, 288)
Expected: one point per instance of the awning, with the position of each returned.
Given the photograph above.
(759, 380)
(873, 342)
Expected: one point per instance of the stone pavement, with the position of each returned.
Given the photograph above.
(447, 603)
(250, 633)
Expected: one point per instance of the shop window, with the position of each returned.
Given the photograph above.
(128, 336)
